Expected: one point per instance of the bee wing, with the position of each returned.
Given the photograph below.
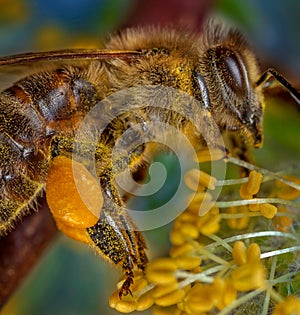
(14, 67)
(71, 54)
(11, 74)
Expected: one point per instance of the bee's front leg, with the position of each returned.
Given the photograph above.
(239, 148)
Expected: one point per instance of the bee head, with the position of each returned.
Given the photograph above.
(228, 72)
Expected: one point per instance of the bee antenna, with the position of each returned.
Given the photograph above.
(273, 73)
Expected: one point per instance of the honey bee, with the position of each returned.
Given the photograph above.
(40, 114)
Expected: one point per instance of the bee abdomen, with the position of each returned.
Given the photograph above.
(22, 175)
(32, 112)
(17, 192)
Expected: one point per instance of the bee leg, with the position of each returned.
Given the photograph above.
(239, 148)
(116, 237)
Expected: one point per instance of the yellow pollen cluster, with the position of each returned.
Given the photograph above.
(176, 281)
(236, 222)
(238, 217)
(287, 192)
(251, 188)
(214, 268)
(290, 306)
(250, 273)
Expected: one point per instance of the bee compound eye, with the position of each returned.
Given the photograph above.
(233, 67)
(231, 71)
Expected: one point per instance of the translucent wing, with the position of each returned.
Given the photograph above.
(67, 55)
(14, 67)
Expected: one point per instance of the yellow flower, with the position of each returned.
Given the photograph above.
(224, 292)
(210, 155)
(210, 222)
(127, 304)
(248, 276)
(198, 299)
(240, 222)
(222, 254)
(252, 186)
(171, 310)
(283, 222)
(161, 271)
(242, 255)
(267, 210)
(195, 179)
(290, 306)
(287, 192)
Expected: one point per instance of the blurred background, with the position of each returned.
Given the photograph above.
(71, 279)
